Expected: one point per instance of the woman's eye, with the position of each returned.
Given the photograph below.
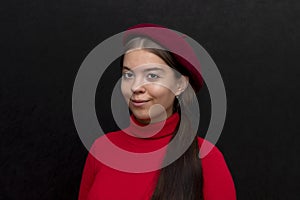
(127, 75)
(152, 76)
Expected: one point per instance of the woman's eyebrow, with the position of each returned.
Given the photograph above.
(146, 70)
(154, 69)
(126, 68)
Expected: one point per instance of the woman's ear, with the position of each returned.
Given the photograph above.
(182, 84)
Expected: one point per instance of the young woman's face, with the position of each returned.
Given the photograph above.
(148, 85)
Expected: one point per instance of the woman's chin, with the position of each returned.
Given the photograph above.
(144, 118)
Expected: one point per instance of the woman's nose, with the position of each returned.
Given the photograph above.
(138, 86)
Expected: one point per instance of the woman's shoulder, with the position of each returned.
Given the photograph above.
(216, 174)
(108, 137)
(208, 149)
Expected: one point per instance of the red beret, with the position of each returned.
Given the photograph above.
(173, 42)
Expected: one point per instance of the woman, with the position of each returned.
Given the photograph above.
(158, 86)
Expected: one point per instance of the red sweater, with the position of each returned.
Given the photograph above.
(103, 180)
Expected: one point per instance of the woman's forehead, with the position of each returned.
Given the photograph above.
(140, 57)
(143, 60)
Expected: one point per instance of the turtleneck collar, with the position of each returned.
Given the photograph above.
(153, 131)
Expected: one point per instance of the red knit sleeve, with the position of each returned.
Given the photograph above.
(217, 180)
(88, 176)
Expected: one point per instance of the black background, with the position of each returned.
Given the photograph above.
(43, 43)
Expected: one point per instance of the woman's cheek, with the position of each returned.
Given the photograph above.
(126, 93)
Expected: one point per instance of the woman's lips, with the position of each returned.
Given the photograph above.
(138, 103)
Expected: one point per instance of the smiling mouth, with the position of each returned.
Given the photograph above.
(138, 103)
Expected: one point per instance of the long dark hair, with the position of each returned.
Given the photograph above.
(181, 179)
